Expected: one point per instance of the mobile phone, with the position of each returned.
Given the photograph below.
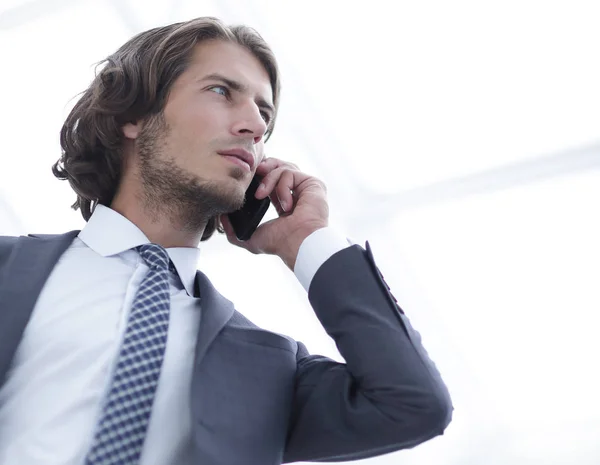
(245, 220)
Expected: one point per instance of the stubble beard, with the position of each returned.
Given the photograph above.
(188, 200)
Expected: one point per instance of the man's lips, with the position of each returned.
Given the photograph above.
(239, 155)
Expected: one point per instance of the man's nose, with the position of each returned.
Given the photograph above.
(250, 122)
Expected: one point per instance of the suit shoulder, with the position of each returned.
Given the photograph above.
(239, 324)
(7, 244)
(241, 321)
(8, 240)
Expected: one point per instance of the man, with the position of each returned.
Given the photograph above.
(114, 349)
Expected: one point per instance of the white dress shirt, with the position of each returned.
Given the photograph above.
(51, 400)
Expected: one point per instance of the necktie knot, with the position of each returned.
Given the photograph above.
(155, 256)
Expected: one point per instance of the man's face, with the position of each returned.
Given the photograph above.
(217, 109)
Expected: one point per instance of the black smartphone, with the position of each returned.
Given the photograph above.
(245, 220)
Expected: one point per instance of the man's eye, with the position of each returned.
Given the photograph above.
(220, 90)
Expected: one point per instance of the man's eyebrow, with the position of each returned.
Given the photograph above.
(238, 87)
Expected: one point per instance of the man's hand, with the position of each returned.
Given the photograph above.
(301, 203)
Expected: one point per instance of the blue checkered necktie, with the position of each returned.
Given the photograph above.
(123, 423)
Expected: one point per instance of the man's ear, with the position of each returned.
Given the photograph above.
(131, 130)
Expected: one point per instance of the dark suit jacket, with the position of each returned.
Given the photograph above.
(259, 398)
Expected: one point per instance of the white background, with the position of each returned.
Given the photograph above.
(462, 139)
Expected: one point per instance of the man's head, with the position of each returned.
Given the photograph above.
(164, 111)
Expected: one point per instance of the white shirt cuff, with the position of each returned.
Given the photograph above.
(316, 250)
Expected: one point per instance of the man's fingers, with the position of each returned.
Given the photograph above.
(270, 164)
(228, 229)
(270, 189)
(231, 237)
(284, 188)
(270, 180)
(276, 203)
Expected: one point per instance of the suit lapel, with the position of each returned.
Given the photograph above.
(216, 312)
(23, 277)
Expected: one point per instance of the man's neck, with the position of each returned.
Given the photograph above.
(160, 227)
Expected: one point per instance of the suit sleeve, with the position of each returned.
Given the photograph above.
(387, 396)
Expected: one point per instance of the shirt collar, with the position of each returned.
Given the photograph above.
(109, 233)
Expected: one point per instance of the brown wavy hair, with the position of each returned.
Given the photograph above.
(133, 84)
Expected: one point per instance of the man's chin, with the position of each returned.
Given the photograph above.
(229, 197)
(233, 204)
(241, 181)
